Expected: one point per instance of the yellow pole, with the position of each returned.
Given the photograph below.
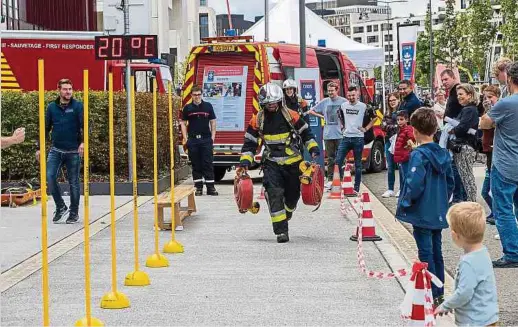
(43, 176)
(135, 278)
(172, 246)
(113, 299)
(88, 320)
(156, 260)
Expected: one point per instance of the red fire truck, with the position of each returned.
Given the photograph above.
(264, 62)
(66, 55)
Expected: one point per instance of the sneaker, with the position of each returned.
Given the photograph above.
(212, 191)
(490, 220)
(397, 194)
(283, 238)
(497, 236)
(59, 213)
(199, 192)
(72, 218)
(329, 185)
(388, 194)
(502, 263)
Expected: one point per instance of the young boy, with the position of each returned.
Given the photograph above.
(475, 299)
(423, 202)
(405, 139)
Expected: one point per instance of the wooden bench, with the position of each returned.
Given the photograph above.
(164, 201)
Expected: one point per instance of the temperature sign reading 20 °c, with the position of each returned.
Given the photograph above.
(125, 47)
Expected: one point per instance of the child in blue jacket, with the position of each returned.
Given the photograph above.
(428, 186)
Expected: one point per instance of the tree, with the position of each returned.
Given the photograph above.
(509, 28)
(480, 32)
(395, 74)
(447, 38)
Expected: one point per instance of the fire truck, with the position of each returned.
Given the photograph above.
(263, 62)
(66, 55)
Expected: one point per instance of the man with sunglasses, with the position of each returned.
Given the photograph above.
(199, 132)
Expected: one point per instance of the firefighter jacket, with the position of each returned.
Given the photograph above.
(298, 104)
(284, 134)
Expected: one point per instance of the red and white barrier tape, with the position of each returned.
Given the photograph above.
(428, 278)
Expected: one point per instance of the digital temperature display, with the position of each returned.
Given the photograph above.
(123, 47)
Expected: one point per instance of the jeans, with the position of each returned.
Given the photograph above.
(486, 187)
(72, 162)
(403, 174)
(459, 194)
(331, 147)
(391, 167)
(429, 249)
(505, 195)
(347, 144)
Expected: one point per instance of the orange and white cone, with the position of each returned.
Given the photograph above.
(336, 188)
(261, 195)
(347, 183)
(368, 222)
(417, 305)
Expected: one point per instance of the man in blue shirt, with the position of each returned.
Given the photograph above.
(409, 101)
(504, 176)
(64, 123)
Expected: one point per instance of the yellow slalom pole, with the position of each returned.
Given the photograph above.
(172, 246)
(88, 320)
(135, 278)
(113, 299)
(43, 176)
(156, 260)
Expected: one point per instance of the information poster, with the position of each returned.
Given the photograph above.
(225, 88)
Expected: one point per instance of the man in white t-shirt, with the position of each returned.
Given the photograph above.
(353, 113)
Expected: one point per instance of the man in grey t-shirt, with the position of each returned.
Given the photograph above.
(328, 109)
(353, 113)
(504, 175)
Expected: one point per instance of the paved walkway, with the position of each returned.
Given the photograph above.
(232, 273)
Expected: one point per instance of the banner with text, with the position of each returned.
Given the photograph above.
(225, 88)
(407, 37)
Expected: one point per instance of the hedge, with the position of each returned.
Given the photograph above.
(21, 109)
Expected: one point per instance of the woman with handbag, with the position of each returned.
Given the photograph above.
(390, 127)
(464, 144)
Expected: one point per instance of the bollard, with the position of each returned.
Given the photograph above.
(173, 246)
(137, 277)
(88, 320)
(156, 260)
(43, 176)
(113, 299)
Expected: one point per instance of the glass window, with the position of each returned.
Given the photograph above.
(376, 27)
(358, 39)
(203, 3)
(372, 39)
(358, 29)
(369, 28)
(204, 25)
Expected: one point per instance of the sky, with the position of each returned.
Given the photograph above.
(252, 8)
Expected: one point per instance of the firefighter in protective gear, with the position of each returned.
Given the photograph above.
(293, 101)
(284, 134)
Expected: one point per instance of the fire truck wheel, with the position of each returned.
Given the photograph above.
(219, 173)
(377, 157)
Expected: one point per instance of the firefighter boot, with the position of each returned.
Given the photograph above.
(199, 191)
(211, 190)
(283, 238)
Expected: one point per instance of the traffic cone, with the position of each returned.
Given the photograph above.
(347, 183)
(368, 223)
(336, 191)
(261, 196)
(417, 305)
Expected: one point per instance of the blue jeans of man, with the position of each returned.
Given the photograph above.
(505, 195)
(355, 144)
(403, 173)
(72, 162)
(486, 188)
(429, 249)
(459, 193)
(391, 167)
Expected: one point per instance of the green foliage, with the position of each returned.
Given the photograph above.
(395, 74)
(21, 109)
(448, 36)
(509, 28)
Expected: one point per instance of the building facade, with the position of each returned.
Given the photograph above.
(239, 23)
(60, 15)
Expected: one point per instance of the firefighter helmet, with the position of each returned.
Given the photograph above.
(270, 93)
(289, 83)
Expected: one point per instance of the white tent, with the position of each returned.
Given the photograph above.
(283, 22)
